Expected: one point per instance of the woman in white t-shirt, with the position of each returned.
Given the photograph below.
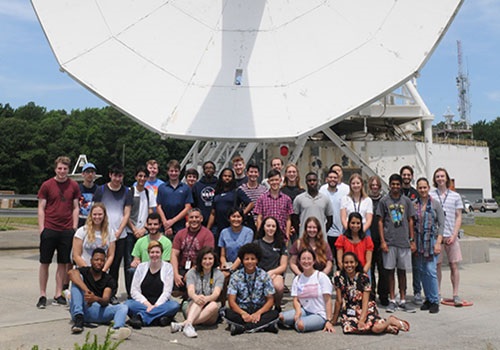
(94, 234)
(357, 201)
(312, 298)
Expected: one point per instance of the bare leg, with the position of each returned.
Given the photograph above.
(402, 284)
(202, 315)
(279, 287)
(69, 267)
(60, 274)
(43, 277)
(455, 277)
(392, 287)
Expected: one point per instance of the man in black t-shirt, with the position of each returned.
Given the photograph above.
(90, 293)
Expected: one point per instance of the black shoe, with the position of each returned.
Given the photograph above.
(426, 305)
(384, 301)
(59, 301)
(78, 324)
(42, 303)
(434, 308)
(237, 329)
(272, 328)
(164, 321)
(135, 322)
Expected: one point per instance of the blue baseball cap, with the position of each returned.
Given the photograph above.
(88, 166)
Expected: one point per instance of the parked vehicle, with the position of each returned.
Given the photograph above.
(467, 206)
(485, 204)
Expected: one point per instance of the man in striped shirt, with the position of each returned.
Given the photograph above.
(253, 190)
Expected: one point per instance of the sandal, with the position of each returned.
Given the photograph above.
(403, 325)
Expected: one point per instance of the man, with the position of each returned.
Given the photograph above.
(253, 190)
(192, 176)
(204, 190)
(452, 205)
(174, 200)
(57, 221)
(187, 243)
(143, 204)
(87, 190)
(239, 170)
(406, 173)
(140, 252)
(118, 201)
(275, 203)
(342, 187)
(313, 203)
(153, 182)
(396, 214)
(90, 295)
(335, 196)
(276, 164)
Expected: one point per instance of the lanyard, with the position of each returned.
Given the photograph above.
(445, 197)
(354, 204)
(211, 282)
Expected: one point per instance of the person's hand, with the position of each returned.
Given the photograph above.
(384, 247)
(361, 325)
(169, 223)
(297, 315)
(89, 297)
(450, 240)
(150, 307)
(179, 281)
(169, 232)
(329, 327)
(255, 317)
(247, 317)
(437, 248)
(413, 247)
(139, 233)
(135, 263)
(200, 300)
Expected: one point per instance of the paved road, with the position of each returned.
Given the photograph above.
(476, 327)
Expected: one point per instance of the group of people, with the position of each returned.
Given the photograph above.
(213, 241)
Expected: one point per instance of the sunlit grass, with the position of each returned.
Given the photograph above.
(484, 227)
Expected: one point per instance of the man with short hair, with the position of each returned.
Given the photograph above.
(174, 200)
(118, 201)
(341, 186)
(239, 170)
(406, 173)
(90, 295)
(253, 190)
(452, 205)
(187, 243)
(192, 176)
(204, 190)
(396, 214)
(313, 203)
(275, 203)
(87, 190)
(57, 221)
(276, 164)
(153, 182)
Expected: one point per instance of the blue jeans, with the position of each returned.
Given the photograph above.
(96, 313)
(417, 281)
(312, 322)
(428, 275)
(169, 308)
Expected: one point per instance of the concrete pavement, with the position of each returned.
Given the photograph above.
(22, 325)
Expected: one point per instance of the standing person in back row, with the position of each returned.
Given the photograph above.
(57, 221)
(452, 205)
(174, 200)
(204, 191)
(87, 190)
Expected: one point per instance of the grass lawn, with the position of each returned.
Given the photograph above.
(484, 227)
(12, 223)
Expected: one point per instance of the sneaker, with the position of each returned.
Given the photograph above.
(164, 321)
(237, 329)
(67, 295)
(121, 333)
(272, 328)
(417, 299)
(189, 331)
(457, 301)
(408, 308)
(426, 305)
(135, 322)
(434, 308)
(42, 303)
(391, 307)
(176, 327)
(59, 301)
(114, 300)
(78, 324)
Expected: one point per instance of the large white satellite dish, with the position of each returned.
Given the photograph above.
(242, 69)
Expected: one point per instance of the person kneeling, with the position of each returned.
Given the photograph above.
(251, 296)
(151, 288)
(90, 293)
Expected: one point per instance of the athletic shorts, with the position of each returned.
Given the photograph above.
(397, 257)
(51, 240)
(453, 252)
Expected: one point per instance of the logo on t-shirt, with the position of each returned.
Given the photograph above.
(207, 195)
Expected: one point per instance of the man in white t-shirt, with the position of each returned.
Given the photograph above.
(342, 187)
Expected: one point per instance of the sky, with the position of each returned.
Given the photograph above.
(29, 71)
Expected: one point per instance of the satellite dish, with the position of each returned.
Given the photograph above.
(242, 70)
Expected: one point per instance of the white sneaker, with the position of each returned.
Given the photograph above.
(175, 327)
(121, 333)
(189, 331)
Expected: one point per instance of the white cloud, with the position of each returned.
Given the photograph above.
(17, 10)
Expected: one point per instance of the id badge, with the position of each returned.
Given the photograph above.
(187, 266)
(351, 312)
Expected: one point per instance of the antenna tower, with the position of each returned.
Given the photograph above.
(464, 104)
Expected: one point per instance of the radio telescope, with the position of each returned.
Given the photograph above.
(250, 70)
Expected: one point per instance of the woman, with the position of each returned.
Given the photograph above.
(274, 256)
(359, 314)
(291, 187)
(357, 201)
(354, 240)
(150, 291)
(380, 286)
(251, 296)
(227, 196)
(429, 226)
(232, 238)
(95, 234)
(204, 285)
(312, 298)
(312, 238)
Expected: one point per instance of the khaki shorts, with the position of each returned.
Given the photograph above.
(397, 257)
(453, 252)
